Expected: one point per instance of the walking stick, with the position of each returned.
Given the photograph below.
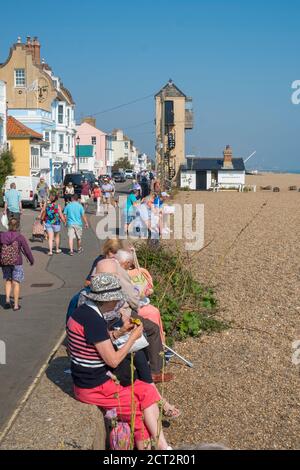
(188, 363)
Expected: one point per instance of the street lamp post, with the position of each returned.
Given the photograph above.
(77, 142)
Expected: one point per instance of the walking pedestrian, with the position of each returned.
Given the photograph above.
(42, 190)
(13, 204)
(13, 244)
(107, 190)
(52, 215)
(85, 193)
(74, 213)
(69, 191)
(145, 185)
(97, 193)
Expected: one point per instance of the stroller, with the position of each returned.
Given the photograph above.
(38, 230)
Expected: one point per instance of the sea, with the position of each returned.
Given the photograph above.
(296, 172)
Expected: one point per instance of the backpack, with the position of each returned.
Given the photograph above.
(9, 254)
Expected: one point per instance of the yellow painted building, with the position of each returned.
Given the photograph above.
(26, 145)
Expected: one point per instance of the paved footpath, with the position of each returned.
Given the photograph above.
(32, 333)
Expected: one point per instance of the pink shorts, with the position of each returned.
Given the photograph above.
(110, 395)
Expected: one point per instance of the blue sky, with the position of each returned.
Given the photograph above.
(237, 60)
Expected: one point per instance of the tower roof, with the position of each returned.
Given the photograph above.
(171, 90)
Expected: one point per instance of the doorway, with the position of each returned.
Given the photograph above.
(201, 184)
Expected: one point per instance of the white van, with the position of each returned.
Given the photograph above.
(27, 187)
(129, 174)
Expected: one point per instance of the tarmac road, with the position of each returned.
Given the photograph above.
(31, 333)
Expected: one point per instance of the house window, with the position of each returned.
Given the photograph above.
(61, 143)
(69, 143)
(60, 114)
(126, 145)
(47, 136)
(68, 117)
(35, 158)
(94, 140)
(20, 78)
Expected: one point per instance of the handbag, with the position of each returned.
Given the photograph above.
(4, 221)
(141, 279)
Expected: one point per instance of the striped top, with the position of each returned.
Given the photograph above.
(85, 328)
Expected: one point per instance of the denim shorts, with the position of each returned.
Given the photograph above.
(53, 228)
(13, 273)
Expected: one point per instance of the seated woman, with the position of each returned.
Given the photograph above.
(111, 264)
(93, 356)
(143, 284)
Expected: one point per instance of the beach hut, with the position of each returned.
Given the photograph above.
(202, 174)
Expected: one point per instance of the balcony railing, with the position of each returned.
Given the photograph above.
(189, 119)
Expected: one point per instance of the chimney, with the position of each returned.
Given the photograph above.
(36, 50)
(89, 120)
(227, 162)
(28, 45)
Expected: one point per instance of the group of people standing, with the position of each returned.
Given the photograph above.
(146, 214)
(103, 194)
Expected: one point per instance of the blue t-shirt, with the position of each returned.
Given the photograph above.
(74, 212)
(13, 198)
(158, 202)
(131, 199)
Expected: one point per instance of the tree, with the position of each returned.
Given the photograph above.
(6, 169)
(122, 163)
(6, 166)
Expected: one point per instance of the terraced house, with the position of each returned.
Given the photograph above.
(38, 99)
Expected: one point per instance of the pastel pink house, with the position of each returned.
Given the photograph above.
(90, 135)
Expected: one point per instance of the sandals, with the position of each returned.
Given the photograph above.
(16, 309)
(170, 411)
(50, 254)
(58, 251)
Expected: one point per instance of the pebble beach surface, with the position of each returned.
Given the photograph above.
(244, 390)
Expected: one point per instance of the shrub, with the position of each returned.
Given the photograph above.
(6, 166)
(187, 308)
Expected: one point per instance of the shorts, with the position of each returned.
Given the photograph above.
(84, 199)
(53, 228)
(13, 273)
(110, 395)
(75, 231)
(13, 215)
(42, 199)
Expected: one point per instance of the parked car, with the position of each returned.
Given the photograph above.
(26, 185)
(118, 177)
(130, 174)
(76, 179)
(89, 175)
